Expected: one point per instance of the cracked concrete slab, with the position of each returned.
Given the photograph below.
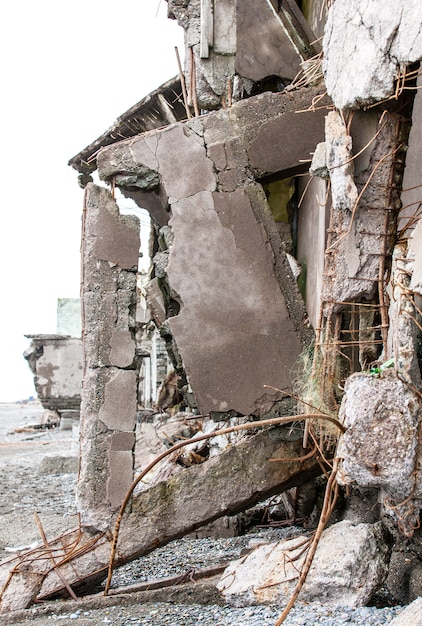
(241, 323)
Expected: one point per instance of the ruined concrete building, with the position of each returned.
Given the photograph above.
(56, 362)
(281, 173)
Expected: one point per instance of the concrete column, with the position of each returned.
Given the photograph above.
(110, 251)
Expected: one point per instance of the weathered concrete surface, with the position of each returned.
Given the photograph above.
(241, 323)
(56, 363)
(412, 614)
(234, 322)
(171, 509)
(338, 145)
(365, 45)
(380, 445)
(415, 254)
(350, 563)
(110, 259)
(230, 45)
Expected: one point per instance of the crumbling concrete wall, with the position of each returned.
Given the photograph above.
(232, 51)
(233, 306)
(224, 294)
(110, 250)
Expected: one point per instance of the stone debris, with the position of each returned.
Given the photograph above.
(350, 564)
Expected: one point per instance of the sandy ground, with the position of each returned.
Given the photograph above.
(29, 484)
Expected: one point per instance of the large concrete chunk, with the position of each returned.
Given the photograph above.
(361, 229)
(366, 44)
(379, 447)
(349, 565)
(233, 330)
(240, 320)
(224, 485)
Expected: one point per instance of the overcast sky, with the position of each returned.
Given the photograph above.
(69, 69)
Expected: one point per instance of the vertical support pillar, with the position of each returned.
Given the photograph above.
(110, 252)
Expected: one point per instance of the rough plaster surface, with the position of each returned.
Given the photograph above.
(171, 509)
(350, 563)
(365, 44)
(379, 447)
(241, 321)
(110, 256)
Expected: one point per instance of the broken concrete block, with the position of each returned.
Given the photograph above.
(350, 563)
(224, 313)
(412, 614)
(360, 231)
(319, 162)
(380, 445)
(365, 46)
(59, 465)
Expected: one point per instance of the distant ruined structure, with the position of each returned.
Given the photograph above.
(281, 171)
(56, 362)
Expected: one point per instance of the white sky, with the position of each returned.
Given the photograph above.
(68, 70)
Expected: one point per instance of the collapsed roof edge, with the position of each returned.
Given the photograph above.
(159, 108)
